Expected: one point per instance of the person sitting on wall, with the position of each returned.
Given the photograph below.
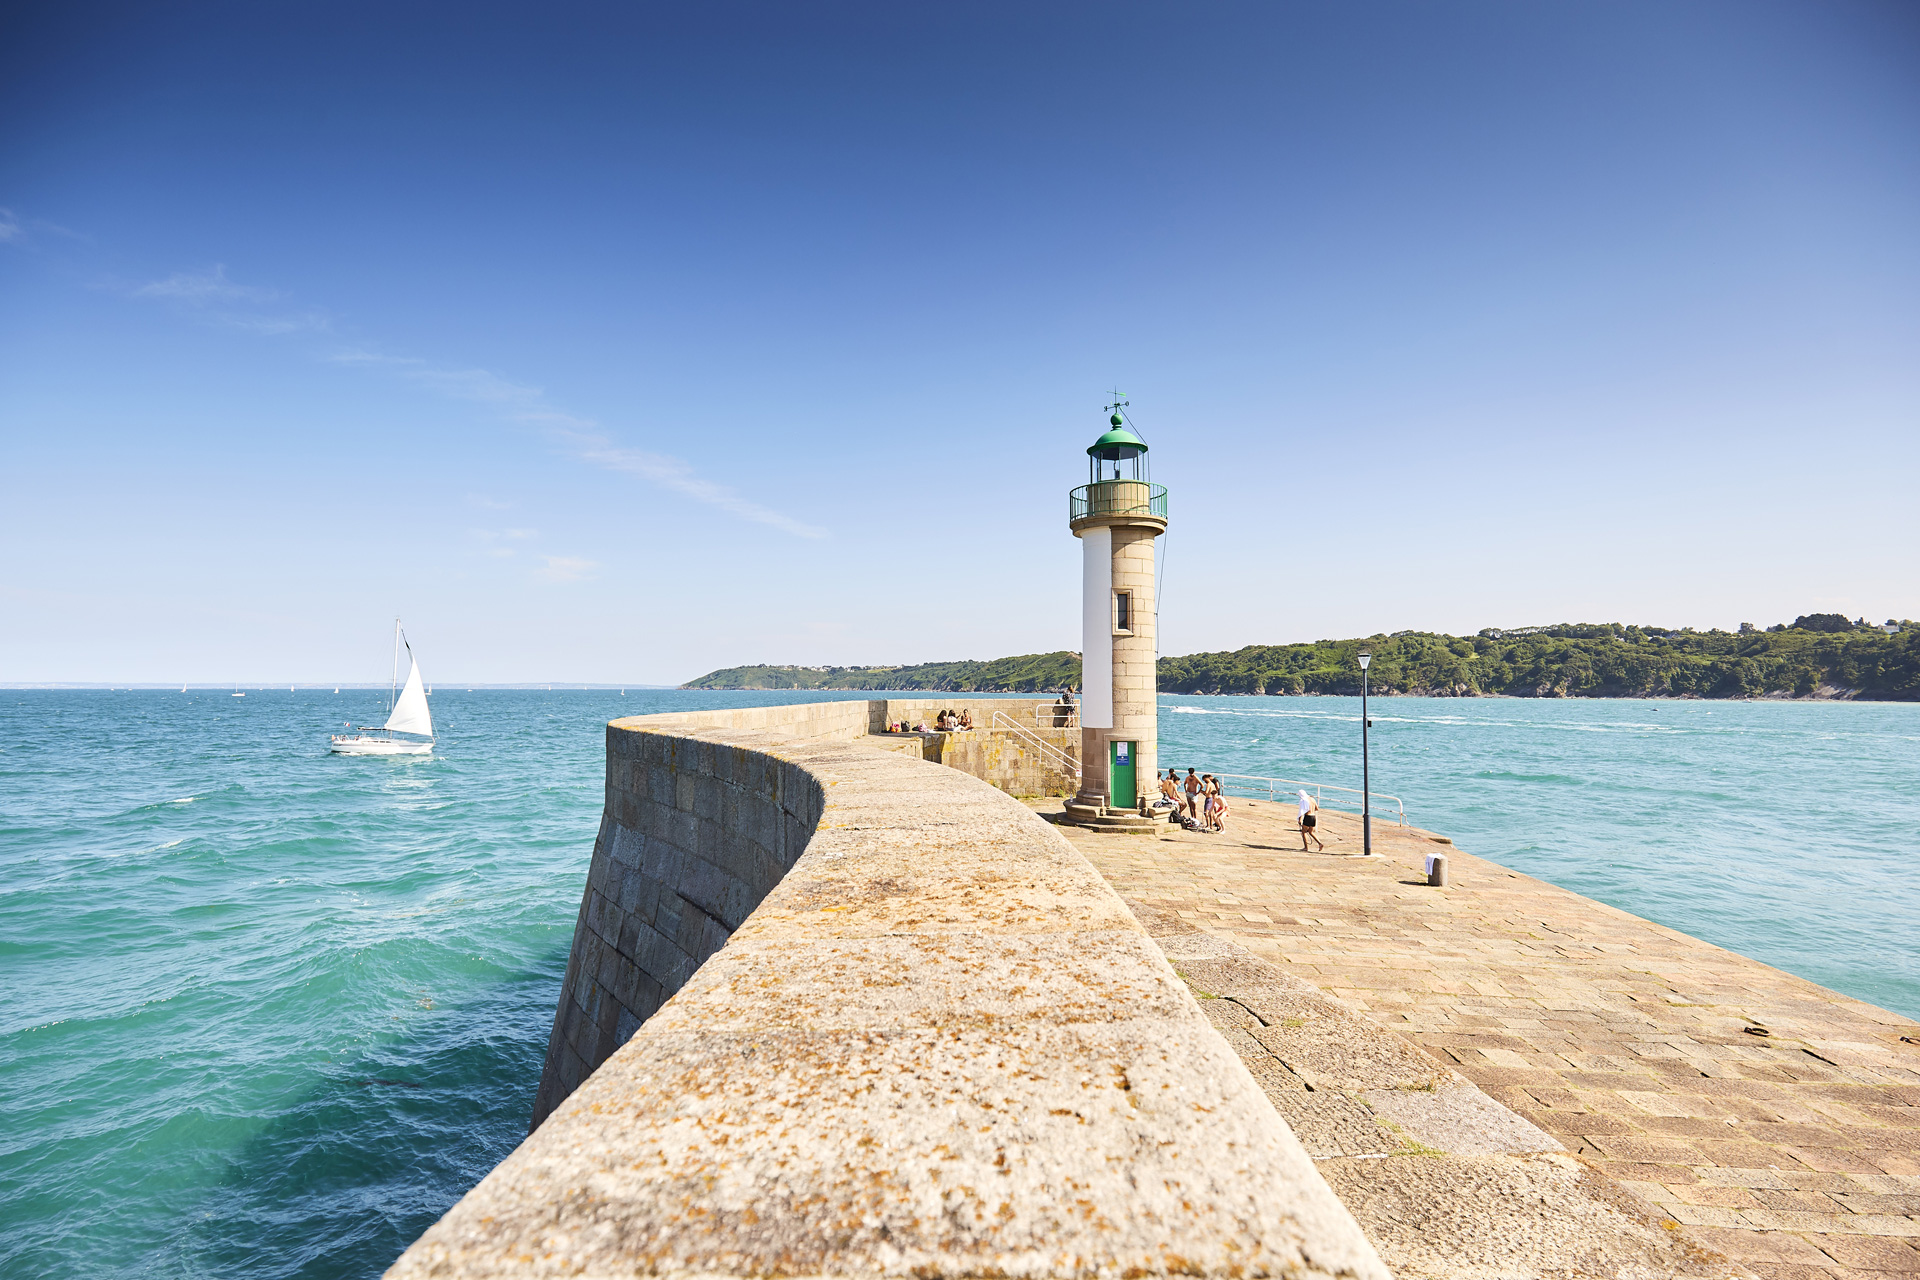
(966, 721)
(1169, 791)
(945, 723)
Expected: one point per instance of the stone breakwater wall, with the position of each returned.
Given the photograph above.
(934, 1043)
(689, 845)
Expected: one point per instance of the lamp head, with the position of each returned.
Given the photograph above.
(1365, 658)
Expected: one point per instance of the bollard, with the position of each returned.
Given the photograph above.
(1437, 870)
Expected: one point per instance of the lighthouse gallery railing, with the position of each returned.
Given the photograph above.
(1118, 498)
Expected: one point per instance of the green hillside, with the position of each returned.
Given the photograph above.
(1596, 660)
(1817, 655)
(1029, 673)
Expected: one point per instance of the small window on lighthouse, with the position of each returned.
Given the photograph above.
(1123, 612)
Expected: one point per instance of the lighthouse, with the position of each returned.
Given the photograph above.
(1117, 515)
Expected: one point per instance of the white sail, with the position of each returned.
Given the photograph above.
(410, 714)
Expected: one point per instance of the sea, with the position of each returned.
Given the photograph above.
(268, 1012)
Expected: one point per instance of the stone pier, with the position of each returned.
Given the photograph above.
(841, 1011)
(1629, 1083)
(835, 1008)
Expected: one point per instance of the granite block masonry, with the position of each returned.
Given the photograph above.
(666, 887)
(913, 1033)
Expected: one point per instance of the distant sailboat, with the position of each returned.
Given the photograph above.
(237, 693)
(409, 727)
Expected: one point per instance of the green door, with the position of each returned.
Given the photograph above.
(1120, 775)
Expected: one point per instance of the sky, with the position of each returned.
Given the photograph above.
(626, 342)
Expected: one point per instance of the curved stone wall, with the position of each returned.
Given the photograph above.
(692, 838)
(926, 1039)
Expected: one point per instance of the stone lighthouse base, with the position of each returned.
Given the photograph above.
(1102, 818)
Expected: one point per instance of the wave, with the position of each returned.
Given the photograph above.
(1627, 727)
(1560, 779)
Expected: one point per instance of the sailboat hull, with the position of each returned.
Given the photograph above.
(409, 727)
(368, 744)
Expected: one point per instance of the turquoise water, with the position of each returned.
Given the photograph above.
(1781, 830)
(269, 1012)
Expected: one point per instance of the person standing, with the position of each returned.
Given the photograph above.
(1192, 788)
(1309, 821)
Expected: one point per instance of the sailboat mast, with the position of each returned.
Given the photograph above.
(393, 689)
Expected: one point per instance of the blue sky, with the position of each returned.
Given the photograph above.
(625, 342)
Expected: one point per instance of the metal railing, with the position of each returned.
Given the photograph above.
(1118, 498)
(1277, 789)
(1003, 721)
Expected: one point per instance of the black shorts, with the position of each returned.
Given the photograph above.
(1309, 821)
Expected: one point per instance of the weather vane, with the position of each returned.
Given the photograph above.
(1119, 400)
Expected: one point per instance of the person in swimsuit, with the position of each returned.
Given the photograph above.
(1309, 821)
(1192, 788)
(1216, 804)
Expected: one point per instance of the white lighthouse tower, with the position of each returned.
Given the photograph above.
(1116, 515)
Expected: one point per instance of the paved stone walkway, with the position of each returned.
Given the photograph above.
(1777, 1120)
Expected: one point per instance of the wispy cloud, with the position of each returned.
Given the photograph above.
(567, 569)
(204, 286)
(672, 473)
(584, 437)
(212, 294)
(20, 231)
(493, 537)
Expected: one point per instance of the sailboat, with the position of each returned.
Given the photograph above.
(409, 727)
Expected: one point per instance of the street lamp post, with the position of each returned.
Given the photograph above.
(1366, 783)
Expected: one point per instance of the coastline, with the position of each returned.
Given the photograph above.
(1826, 693)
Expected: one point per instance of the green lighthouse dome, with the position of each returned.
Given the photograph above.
(1120, 442)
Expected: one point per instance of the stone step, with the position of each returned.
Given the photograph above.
(1100, 819)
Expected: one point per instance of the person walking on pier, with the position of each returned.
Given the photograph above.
(1309, 821)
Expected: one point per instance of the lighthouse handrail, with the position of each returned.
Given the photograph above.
(1273, 788)
(1003, 721)
(1117, 498)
